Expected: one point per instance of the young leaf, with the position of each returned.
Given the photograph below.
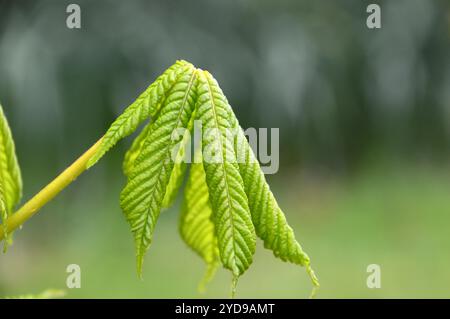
(269, 221)
(142, 197)
(179, 169)
(146, 105)
(177, 175)
(135, 150)
(10, 176)
(196, 227)
(231, 214)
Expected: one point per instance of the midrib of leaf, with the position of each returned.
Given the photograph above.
(219, 137)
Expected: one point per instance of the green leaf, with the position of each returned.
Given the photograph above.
(178, 155)
(147, 105)
(179, 170)
(231, 214)
(135, 150)
(10, 176)
(196, 227)
(142, 197)
(268, 218)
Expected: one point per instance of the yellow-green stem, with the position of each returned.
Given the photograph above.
(49, 192)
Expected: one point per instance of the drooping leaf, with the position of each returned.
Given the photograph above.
(268, 218)
(135, 149)
(179, 156)
(178, 171)
(231, 214)
(196, 226)
(175, 181)
(142, 197)
(147, 105)
(10, 176)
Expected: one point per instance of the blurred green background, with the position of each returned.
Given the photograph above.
(364, 118)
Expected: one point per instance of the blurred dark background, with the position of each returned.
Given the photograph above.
(364, 118)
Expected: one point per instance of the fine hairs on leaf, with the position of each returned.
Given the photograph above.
(227, 201)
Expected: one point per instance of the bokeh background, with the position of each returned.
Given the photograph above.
(364, 118)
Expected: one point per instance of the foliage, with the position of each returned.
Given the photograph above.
(227, 201)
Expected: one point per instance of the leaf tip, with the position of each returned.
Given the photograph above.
(98, 151)
(313, 276)
(6, 243)
(139, 266)
(314, 280)
(234, 282)
(94, 159)
(209, 274)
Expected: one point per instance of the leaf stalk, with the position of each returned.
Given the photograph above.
(49, 192)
